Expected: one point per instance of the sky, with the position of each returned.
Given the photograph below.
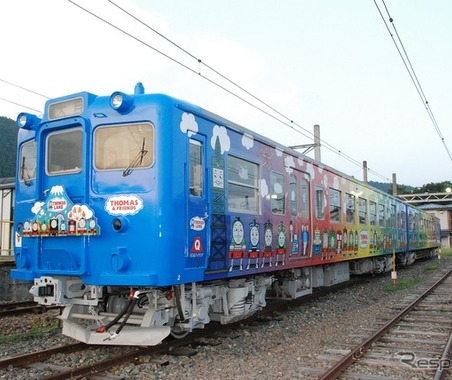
(330, 62)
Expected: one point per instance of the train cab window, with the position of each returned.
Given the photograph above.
(27, 161)
(373, 213)
(350, 208)
(243, 186)
(196, 168)
(64, 152)
(362, 210)
(335, 206)
(278, 193)
(381, 215)
(124, 147)
(319, 203)
(293, 196)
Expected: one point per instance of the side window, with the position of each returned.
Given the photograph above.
(335, 206)
(350, 208)
(293, 195)
(392, 222)
(27, 161)
(243, 186)
(304, 190)
(402, 220)
(278, 193)
(381, 215)
(196, 168)
(64, 152)
(362, 211)
(319, 203)
(373, 213)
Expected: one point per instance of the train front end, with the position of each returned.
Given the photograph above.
(93, 224)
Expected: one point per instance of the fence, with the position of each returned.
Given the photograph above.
(7, 192)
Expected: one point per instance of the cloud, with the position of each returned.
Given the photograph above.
(336, 182)
(247, 141)
(37, 207)
(310, 170)
(222, 134)
(289, 164)
(188, 124)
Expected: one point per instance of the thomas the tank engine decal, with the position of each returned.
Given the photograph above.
(57, 216)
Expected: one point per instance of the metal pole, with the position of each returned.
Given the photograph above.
(317, 142)
(394, 184)
(365, 171)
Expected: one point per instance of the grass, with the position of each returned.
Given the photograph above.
(35, 332)
(446, 252)
(404, 283)
(430, 267)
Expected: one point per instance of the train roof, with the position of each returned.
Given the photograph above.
(201, 112)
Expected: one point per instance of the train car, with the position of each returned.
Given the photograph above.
(145, 216)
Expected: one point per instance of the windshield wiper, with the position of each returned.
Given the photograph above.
(24, 173)
(138, 160)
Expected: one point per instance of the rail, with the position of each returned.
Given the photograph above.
(356, 353)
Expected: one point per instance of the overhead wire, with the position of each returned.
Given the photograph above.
(24, 89)
(288, 119)
(410, 69)
(289, 122)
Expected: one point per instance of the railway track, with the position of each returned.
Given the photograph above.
(116, 356)
(23, 307)
(415, 343)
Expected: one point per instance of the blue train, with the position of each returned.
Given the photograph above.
(146, 216)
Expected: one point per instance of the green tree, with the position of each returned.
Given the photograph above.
(439, 187)
(8, 147)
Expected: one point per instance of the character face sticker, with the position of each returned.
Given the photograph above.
(268, 237)
(281, 239)
(237, 231)
(254, 235)
(218, 181)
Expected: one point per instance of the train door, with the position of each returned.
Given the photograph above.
(197, 204)
(300, 224)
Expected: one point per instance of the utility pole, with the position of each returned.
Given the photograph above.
(308, 147)
(365, 171)
(394, 184)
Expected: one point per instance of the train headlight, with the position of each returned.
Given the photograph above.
(27, 121)
(121, 102)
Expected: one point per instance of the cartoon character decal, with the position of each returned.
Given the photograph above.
(237, 248)
(294, 239)
(268, 248)
(281, 246)
(304, 240)
(58, 216)
(254, 245)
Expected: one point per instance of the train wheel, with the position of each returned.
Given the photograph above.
(178, 333)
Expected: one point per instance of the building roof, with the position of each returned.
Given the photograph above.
(436, 207)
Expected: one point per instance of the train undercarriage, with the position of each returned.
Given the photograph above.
(145, 316)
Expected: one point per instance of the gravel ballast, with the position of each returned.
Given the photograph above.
(279, 349)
